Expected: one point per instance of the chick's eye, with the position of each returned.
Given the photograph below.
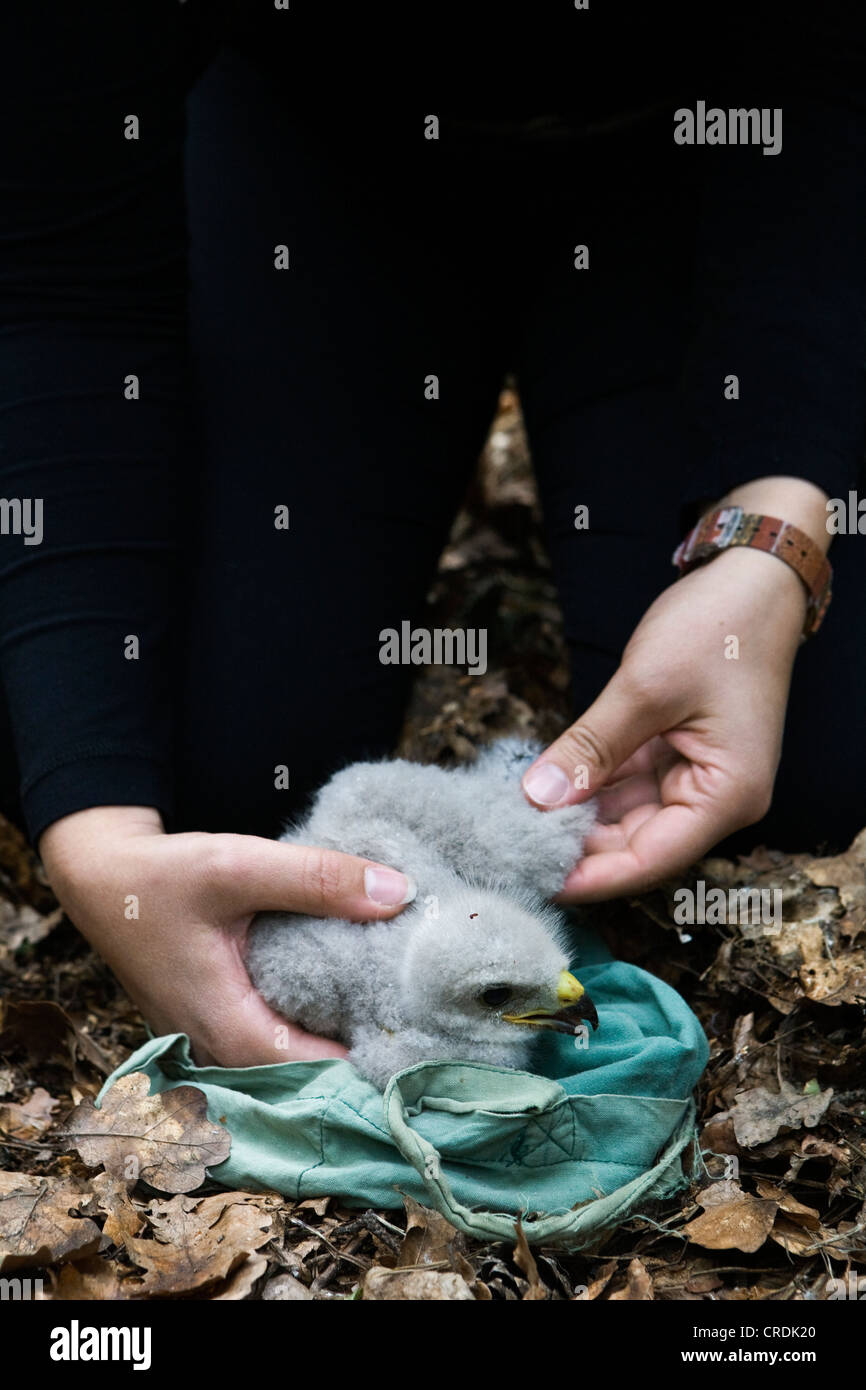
(499, 994)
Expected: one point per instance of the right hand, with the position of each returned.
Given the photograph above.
(170, 913)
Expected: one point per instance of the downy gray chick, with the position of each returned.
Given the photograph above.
(477, 962)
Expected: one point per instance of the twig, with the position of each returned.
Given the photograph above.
(322, 1280)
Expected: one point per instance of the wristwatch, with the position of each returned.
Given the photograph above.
(730, 526)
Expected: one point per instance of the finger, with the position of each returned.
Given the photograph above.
(583, 758)
(664, 844)
(258, 875)
(615, 802)
(603, 838)
(644, 760)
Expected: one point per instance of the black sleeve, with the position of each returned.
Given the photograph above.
(780, 282)
(92, 295)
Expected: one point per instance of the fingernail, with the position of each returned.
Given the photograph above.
(546, 783)
(388, 887)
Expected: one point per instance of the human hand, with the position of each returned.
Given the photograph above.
(170, 913)
(682, 745)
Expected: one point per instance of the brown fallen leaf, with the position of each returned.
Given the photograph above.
(94, 1278)
(639, 1288)
(525, 1262)
(240, 1284)
(835, 982)
(759, 1114)
(740, 1223)
(111, 1197)
(317, 1204)
(37, 1222)
(30, 1119)
(845, 872)
(802, 1215)
(430, 1239)
(793, 1238)
(598, 1284)
(720, 1191)
(418, 1285)
(165, 1140)
(198, 1242)
(813, 1147)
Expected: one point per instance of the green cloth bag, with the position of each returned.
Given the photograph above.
(573, 1151)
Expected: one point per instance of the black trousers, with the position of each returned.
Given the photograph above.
(315, 391)
(312, 389)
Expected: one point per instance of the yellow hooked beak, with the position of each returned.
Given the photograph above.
(569, 989)
(576, 1003)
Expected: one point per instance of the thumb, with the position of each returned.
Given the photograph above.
(258, 875)
(583, 758)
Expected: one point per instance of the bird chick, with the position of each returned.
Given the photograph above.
(478, 962)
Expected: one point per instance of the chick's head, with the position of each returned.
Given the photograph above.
(485, 965)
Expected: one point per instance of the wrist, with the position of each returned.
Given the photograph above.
(61, 844)
(746, 594)
(771, 588)
(776, 517)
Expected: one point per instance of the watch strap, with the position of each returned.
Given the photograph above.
(730, 526)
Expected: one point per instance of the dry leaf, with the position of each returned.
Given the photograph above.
(721, 1191)
(421, 1285)
(743, 1223)
(813, 1147)
(846, 872)
(91, 1279)
(165, 1140)
(802, 1215)
(525, 1262)
(597, 1285)
(759, 1114)
(834, 982)
(123, 1220)
(792, 1237)
(240, 1284)
(317, 1204)
(30, 1119)
(431, 1240)
(639, 1288)
(198, 1241)
(36, 1227)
